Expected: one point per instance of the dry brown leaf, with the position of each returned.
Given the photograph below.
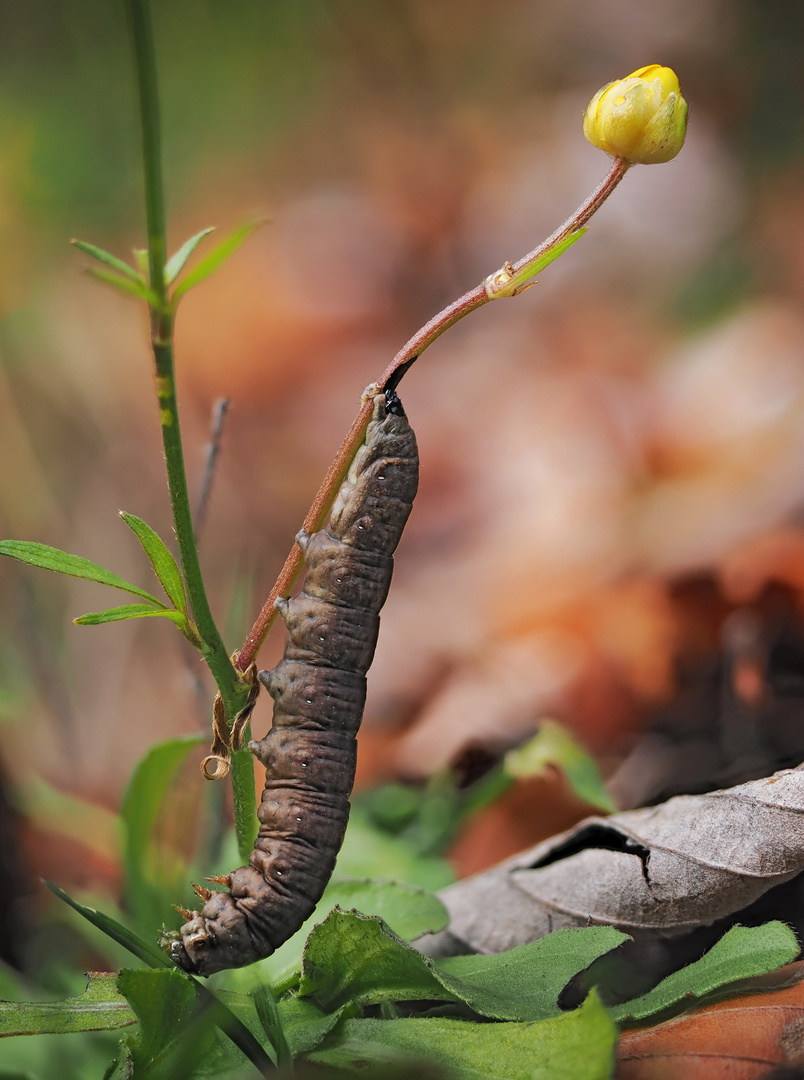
(662, 870)
(740, 1039)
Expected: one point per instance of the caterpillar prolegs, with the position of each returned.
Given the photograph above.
(319, 690)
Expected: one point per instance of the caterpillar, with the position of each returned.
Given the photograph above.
(319, 690)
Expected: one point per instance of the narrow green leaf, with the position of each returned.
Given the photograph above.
(110, 260)
(576, 1046)
(50, 558)
(109, 277)
(742, 953)
(149, 955)
(210, 263)
(175, 263)
(129, 611)
(271, 1023)
(555, 746)
(99, 1008)
(165, 566)
(230, 1024)
(145, 889)
(141, 255)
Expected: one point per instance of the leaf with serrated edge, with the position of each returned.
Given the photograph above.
(165, 566)
(356, 958)
(175, 263)
(61, 562)
(216, 257)
(110, 260)
(742, 953)
(576, 1046)
(129, 611)
(99, 1008)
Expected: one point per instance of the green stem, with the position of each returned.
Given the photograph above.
(234, 691)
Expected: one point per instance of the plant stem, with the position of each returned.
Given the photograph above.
(508, 281)
(233, 691)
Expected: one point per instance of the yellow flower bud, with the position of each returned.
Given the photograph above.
(642, 118)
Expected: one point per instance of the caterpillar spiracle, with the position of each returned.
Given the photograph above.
(319, 690)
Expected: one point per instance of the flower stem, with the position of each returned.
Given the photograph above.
(511, 279)
(234, 691)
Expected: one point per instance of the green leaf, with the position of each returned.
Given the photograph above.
(141, 255)
(149, 955)
(304, 1025)
(129, 611)
(353, 958)
(163, 1000)
(409, 911)
(742, 953)
(524, 983)
(50, 558)
(555, 746)
(145, 888)
(210, 263)
(576, 1046)
(175, 263)
(99, 1008)
(110, 260)
(124, 284)
(230, 1024)
(165, 566)
(356, 958)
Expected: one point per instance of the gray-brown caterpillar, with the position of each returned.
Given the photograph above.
(319, 690)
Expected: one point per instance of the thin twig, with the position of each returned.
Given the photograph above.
(219, 411)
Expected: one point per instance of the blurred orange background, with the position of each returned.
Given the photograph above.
(625, 433)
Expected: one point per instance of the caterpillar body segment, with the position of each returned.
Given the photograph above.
(319, 691)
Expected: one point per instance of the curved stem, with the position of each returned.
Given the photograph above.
(511, 279)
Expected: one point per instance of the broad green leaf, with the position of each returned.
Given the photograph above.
(742, 953)
(99, 1008)
(163, 1000)
(524, 983)
(576, 1046)
(149, 954)
(352, 958)
(555, 746)
(409, 911)
(50, 558)
(130, 611)
(304, 1025)
(356, 958)
(210, 263)
(175, 263)
(124, 284)
(110, 260)
(144, 889)
(165, 566)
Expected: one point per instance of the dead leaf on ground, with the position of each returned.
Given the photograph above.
(664, 870)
